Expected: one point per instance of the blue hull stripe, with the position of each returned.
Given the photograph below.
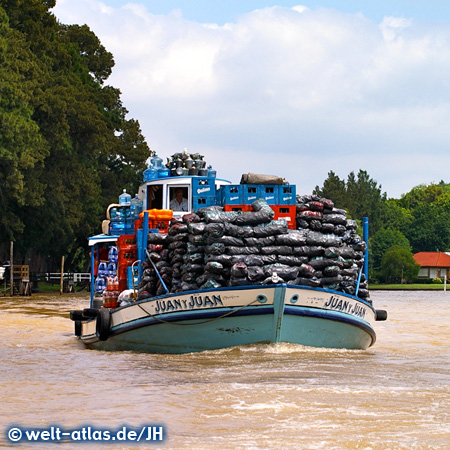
(197, 315)
(330, 315)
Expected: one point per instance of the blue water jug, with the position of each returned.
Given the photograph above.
(163, 172)
(111, 269)
(135, 208)
(100, 284)
(157, 162)
(124, 198)
(102, 270)
(150, 173)
(211, 173)
(112, 255)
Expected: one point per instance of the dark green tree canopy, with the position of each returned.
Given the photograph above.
(360, 195)
(398, 264)
(381, 241)
(67, 148)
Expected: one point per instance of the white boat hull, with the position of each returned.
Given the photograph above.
(220, 318)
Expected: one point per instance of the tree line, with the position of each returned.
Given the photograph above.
(66, 145)
(67, 149)
(418, 221)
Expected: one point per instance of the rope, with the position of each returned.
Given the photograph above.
(197, 323)
(157, 271)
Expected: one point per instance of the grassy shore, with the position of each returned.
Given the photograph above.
(408, 287)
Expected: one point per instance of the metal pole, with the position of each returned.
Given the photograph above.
(366, 240)
(61, 279)
(93, 250)
(11, 268)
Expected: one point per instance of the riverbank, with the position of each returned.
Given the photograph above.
(407, 287)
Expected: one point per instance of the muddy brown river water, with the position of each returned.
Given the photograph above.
(395, 395)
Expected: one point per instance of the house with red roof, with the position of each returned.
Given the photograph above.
(433, 264)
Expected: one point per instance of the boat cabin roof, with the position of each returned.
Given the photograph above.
(197, 191)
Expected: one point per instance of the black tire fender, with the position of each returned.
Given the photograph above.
(103, 325)
(89, 313)
(76, 315)
(381, 314)
(78, 328)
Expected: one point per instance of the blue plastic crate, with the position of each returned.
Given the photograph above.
(286, 194)
(231, 194)
(251, 192)
(203, 187)
(203, 202)
(122, 227)
(269, 192)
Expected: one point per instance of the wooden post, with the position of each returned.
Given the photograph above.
(11, 268)
(61, 281)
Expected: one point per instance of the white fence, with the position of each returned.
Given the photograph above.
(75, 277)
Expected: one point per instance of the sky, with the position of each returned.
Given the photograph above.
(289, 88)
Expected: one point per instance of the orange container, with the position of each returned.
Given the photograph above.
(163, 214)
(151, 214)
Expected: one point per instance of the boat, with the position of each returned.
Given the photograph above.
(224, 266)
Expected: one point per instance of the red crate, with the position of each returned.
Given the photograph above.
(127, 256)
(286, 212)
(126, 242)
(122, 275)
(162, 225)
(126, 239)
(243, 208)
(139, 224)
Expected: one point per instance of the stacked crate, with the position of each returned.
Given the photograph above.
(203, 192)
(162, 219)
(127, 255)
(158, 220)
(281, 198)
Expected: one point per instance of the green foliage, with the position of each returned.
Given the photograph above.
(381, 241)
(418, 221)
(397, 265)
(430, 228)
(360, 196)
(395, 216)
(333, 188)
(66, 147)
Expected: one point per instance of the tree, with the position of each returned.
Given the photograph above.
(22, 147)
(333, 188)
(421, 195)
(381, 241)
(66, 147)
(430, 229)
(360, 196)
(395, 216)
(398, 264)
(365, 199)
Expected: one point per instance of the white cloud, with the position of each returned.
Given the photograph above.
(290, 91)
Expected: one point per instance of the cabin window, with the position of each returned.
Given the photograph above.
(179, 198)
(155, 196)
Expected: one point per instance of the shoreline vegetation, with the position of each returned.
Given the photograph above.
(49, 288)
(407, 287)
